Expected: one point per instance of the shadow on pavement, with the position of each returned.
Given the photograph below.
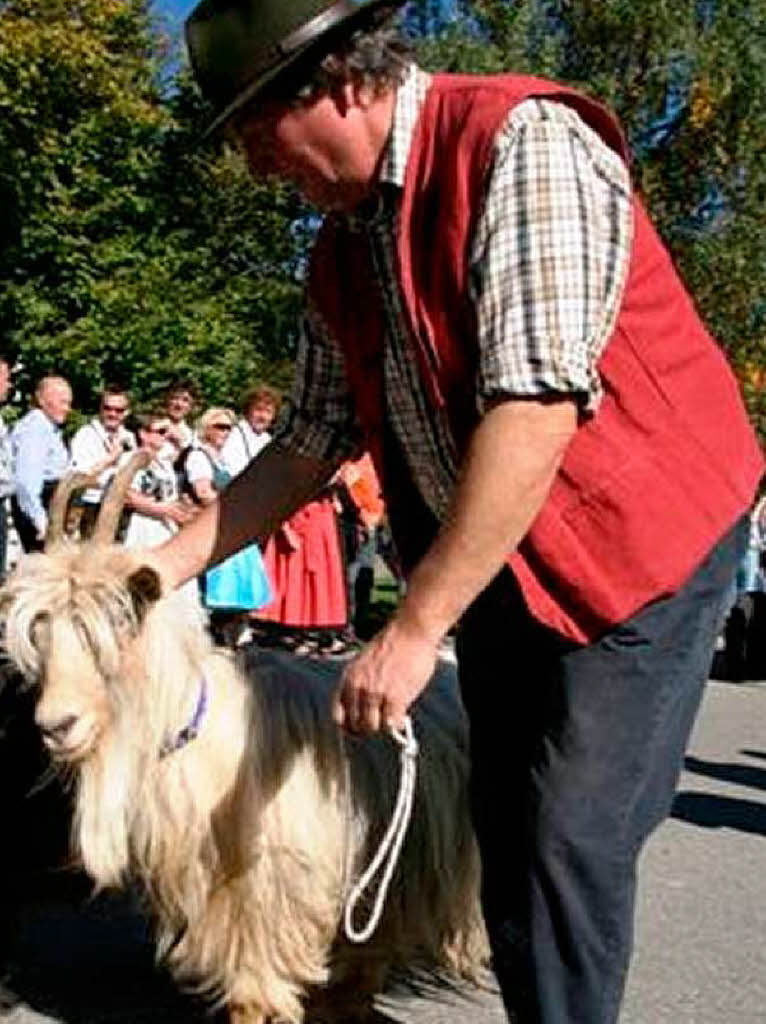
(739, 774)
(92, 963)
(720, 812)
(754, 754)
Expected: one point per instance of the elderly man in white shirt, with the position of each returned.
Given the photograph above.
(252, 431)
(39, 458)
(97, 446)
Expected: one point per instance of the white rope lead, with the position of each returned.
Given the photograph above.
(391, 844)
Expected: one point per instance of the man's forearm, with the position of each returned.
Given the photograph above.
(506, 476)
(270, 489)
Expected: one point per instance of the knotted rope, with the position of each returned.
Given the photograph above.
(391, 844)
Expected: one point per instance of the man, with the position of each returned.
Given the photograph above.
(97, 446)
(180, 402)
(6, 468)
(252, 431)
(491, 313)
(40, 459)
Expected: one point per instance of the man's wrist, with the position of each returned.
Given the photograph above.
(417, 622)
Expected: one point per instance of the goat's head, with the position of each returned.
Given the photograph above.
(70, 616)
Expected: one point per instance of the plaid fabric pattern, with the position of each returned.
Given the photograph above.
(548, 265)
(550, 256)
(319, 420)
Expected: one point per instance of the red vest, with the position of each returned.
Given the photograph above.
(668, 462)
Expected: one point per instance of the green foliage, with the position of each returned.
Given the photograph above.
(130, 251)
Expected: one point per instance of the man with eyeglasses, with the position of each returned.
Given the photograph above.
(97, 446)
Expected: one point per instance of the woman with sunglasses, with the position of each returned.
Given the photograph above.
(155, 506)
(202, 469)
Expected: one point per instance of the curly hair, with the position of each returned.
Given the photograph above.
(377, 58)
(261, 394)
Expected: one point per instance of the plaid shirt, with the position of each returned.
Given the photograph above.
(548, 265)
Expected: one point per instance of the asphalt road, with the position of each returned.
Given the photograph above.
(701, 923)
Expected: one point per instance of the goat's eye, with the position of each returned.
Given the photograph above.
(40, 633)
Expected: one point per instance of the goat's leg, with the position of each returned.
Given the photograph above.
(240, 1014)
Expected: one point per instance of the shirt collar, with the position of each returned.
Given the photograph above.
(120, 433)
(45, 418)
(99, 427)
(377, 207)
(410, 97)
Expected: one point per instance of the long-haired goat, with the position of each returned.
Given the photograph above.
(221, 783)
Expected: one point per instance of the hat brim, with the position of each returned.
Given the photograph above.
(313, 36)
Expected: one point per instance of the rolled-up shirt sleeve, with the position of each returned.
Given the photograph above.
(550, 256)
(319, 420)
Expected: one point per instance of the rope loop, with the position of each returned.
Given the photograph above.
(391, 844)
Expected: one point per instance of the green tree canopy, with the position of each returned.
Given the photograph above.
(129, 251)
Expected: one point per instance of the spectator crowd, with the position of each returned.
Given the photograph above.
(310, 588)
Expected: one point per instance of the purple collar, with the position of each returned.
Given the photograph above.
(189, 732)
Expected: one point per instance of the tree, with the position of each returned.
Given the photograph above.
(686, 79)
(130, 251)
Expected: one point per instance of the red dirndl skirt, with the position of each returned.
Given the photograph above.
(304, 563)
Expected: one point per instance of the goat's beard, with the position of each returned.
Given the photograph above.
(108, 784)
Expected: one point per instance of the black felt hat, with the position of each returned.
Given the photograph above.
(237, 47)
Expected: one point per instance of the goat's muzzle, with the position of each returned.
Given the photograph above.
(68, 737)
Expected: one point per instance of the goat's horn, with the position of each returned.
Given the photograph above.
(59, 505)
(111, 507)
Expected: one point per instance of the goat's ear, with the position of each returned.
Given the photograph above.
(145, 587)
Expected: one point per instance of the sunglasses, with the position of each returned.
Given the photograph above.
(221, 426)
(156, 430)
(122, 409)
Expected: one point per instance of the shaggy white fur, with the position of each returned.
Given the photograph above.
(246, 839)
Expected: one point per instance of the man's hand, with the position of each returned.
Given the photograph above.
(114, 450)
(379, 685)
(178, 512)
(511, 462)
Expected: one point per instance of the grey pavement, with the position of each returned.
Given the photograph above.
(701, 921)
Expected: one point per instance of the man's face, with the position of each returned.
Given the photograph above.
(179, 405)
(5, 380)
(114, 409)
(56, 401)
(321, 146)
(260, 416)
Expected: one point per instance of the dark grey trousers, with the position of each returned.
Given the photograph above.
(576, 753)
